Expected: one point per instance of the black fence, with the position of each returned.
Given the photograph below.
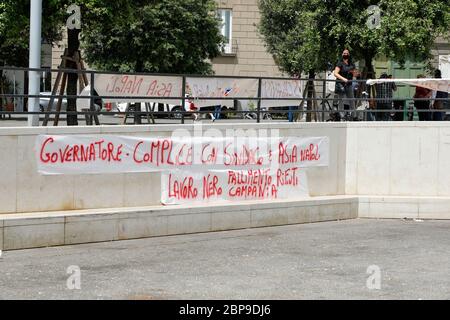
(288, 99)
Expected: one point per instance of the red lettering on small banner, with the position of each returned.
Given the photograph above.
(136, 88)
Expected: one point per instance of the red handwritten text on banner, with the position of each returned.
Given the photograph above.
(195, 169)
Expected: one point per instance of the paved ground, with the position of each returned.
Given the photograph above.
(312, 261)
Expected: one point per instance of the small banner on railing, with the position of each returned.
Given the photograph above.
(281, 89)
(220, 88)
(193, 169)
(140, 87)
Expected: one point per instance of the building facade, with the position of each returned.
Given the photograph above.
(245, 53)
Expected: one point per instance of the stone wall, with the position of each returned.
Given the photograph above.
(366, 159)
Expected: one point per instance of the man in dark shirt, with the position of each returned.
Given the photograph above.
(384, 97)
(423, 105)
(439, 104)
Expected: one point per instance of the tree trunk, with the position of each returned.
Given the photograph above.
(2, 100)
(73, 46)
(137, 113)
(368, 72)
(25, 90)
(311, 89)
(137, 106)
(139, 66)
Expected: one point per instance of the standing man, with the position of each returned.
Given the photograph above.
(439, 104)
(384, 94)
(423, 105)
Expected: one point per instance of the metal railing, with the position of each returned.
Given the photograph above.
(321, 106)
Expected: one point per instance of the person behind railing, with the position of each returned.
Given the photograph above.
(398, 106)
(356, 85)
(217, 112)
(191, 107)
(384, 94)
(344, 72)
(291, 110)
(439, 104)
(357, 93)
(423, 106)
(366, 104)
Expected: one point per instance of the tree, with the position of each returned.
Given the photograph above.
(296, 33)
(162, 36)
(314, 32)
(407, 29)
(305, 36)
(15, 29)
(142, 35)
(165, 36)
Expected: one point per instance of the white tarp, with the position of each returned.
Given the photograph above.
(432, 84)
(140, 87)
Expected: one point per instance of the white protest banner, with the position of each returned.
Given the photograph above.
(432, 84)
(281, 89)
(181, 186)
(199, 88)
(91, 154)
(140, 87)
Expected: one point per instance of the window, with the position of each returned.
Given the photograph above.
(226, 16)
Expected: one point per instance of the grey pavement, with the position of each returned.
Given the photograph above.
(326, 260)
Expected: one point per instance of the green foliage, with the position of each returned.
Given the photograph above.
(15, 29)
(295, 32)
(305, 35)
(410, 27)
(165, 36)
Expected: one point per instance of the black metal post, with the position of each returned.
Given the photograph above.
(137, 113)
(258, 113)
(183, 101)
(97, 121)
(324, 96)
(73, 45)
(90, 116)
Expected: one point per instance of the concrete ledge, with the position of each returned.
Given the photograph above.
(437, 208)
(32, 230)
